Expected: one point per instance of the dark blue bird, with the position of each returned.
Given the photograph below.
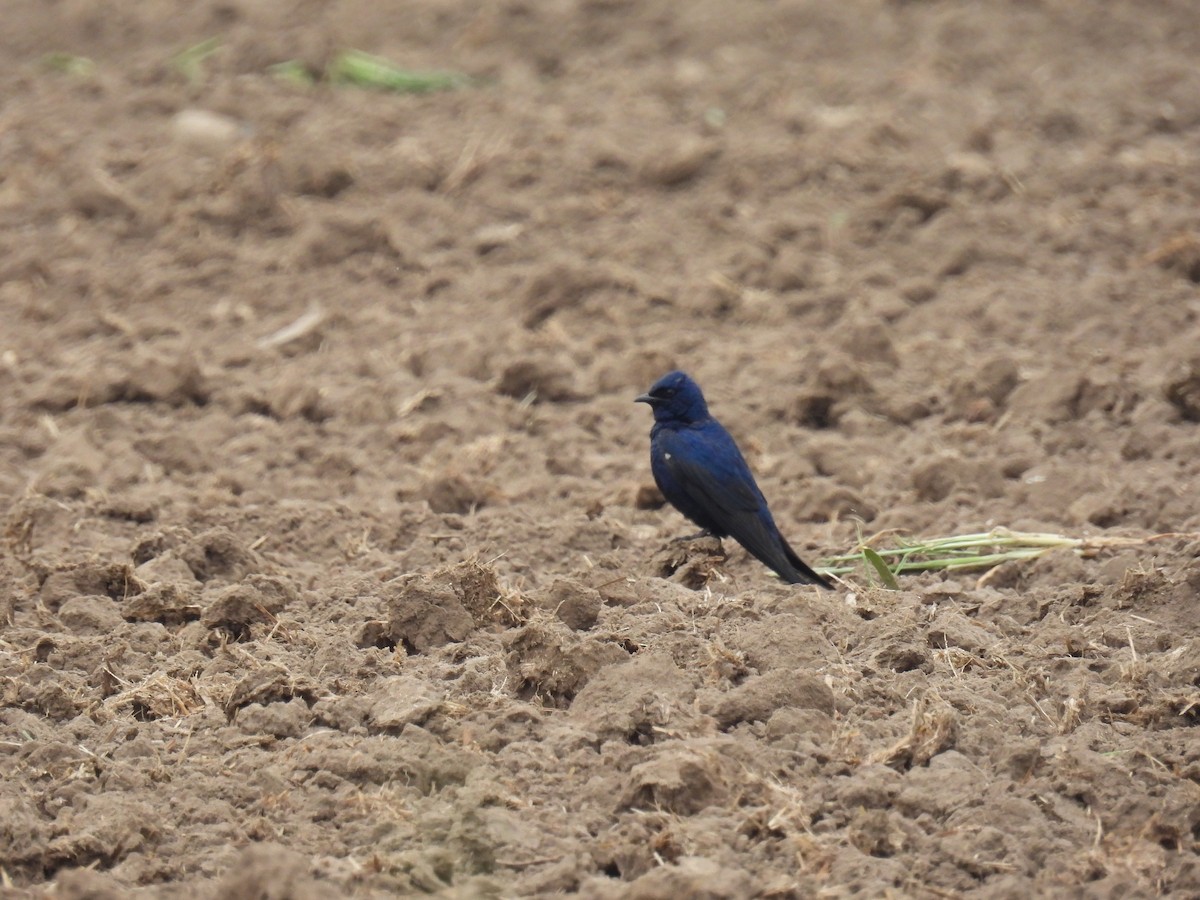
(702, 473)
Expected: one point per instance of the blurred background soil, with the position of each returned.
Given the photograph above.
(332, 563)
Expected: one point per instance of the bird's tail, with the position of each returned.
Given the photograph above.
(804, 574)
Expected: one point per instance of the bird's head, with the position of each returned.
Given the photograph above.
(675, 398)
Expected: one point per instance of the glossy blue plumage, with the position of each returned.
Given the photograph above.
(702, 473)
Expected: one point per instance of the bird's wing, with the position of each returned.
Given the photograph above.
(711, 472)
(708, 467)
(715, 481)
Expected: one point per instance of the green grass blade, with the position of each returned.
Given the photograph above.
(881, 568)
(364, 70)
(190, 62)
(294, 72)
(981, 550)
(69, 64)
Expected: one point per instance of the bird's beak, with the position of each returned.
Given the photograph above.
(644, 398)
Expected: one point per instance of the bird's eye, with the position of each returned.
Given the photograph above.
(667, 393)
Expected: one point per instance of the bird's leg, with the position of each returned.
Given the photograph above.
(687, 538)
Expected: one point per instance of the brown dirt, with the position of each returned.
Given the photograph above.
(374, 605)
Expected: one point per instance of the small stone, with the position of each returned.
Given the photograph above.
(675, 165)
(206, 131)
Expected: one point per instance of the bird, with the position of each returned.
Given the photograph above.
(701, 472)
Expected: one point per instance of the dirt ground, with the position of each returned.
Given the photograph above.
(332, 563)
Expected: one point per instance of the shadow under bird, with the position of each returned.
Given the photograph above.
(702, 473)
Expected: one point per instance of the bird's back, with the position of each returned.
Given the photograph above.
(702, 473)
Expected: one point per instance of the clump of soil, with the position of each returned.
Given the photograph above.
(331, 561)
